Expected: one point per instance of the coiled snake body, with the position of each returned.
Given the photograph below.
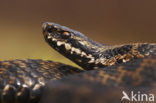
(113, 68)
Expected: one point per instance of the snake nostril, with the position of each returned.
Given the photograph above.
(44, 26)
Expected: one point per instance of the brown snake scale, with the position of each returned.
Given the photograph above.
(106, 71)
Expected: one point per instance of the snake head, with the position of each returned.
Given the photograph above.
(60, 37)
(70, 43)
(57, 36)
(56, 32)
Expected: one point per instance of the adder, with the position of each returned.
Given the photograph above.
(106, 71)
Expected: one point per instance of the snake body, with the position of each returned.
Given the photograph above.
(22, 81)
(104, 85)
(113, 67)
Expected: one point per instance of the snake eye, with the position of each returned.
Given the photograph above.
(66, 34)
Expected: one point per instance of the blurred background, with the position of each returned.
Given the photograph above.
(107, 21)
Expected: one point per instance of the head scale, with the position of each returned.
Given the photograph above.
(70, 43)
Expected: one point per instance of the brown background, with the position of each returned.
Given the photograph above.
(107, 21)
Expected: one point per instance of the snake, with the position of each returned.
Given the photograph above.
(105, 69)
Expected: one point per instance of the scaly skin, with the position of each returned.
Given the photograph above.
(119, 67)
(22, 81)
(90, 54)
(104, 85)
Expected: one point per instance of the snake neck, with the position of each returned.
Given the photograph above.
(100, 56)
(90, 54)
